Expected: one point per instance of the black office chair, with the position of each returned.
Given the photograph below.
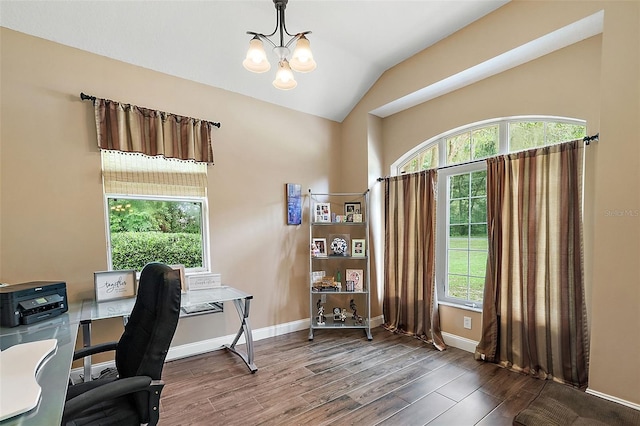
(133, 397)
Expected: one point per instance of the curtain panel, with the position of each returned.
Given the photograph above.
(410, 302)
(130, 128)
(534, 311)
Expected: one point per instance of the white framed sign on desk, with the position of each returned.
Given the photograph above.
(111, 285)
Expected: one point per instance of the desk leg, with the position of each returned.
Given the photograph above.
(86, 342)
(243, 312)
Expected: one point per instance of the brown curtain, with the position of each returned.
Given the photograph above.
(534, 313)
(410, 303)
(130, 128)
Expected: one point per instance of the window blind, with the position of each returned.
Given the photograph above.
(138, 174)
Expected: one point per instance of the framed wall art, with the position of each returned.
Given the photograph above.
(111, 285)
(294, 204)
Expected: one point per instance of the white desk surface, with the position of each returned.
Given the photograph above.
(53, 376)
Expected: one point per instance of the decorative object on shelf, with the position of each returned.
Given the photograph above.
(355, 275)
(321, 316)
(339, 314)
(325, 284)
(317, 276)
(301, 60)
(357, 318)
(357, 217)
(111, 285)
(294, 204)
(350, 209)
(319, 247)
(338, 278)
(322, 212)
(350, 285)
(339, 245)
(358, 247)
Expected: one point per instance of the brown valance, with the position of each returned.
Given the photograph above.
(130, 128)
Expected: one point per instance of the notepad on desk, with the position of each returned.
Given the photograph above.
(19, 364)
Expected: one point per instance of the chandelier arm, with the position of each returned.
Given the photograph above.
(296, 37)
(262, 37)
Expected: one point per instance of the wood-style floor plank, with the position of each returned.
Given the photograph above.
(342, 378)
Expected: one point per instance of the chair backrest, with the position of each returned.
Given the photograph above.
(143, 347)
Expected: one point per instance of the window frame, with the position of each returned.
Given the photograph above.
(445, 171)
(204, 226)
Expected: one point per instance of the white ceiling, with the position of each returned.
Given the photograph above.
(353, 41)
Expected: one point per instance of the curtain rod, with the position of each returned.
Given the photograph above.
(586, 140)
(91, 98)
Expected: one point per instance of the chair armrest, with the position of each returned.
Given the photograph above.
(91, 350)
(105, 392)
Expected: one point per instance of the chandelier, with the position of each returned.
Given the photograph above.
(301, 60)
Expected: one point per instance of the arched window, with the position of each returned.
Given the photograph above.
(461, 240)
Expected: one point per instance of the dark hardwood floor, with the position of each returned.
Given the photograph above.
(341, 378)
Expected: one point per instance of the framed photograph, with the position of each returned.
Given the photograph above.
(322, 212)
(350, 209)
(111, 285)
(317, 276)
(183, 281)
(319, 247)
(339, 245)
(357, 277)
(357, 247)
(294, 204)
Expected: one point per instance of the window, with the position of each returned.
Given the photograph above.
(156, 210)
(461, 241)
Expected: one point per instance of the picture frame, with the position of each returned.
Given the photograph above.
(339, 245)
(358, 248)
(319, 247)
(322, 212)
(294, 203)
(112, 285)
(183, 280)
(204, 281)
(350, 209)
(357, 277)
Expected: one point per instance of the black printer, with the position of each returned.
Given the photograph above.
(31, 302)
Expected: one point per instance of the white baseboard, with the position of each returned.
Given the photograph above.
(614, 399)
(209, 345)
(459, 342)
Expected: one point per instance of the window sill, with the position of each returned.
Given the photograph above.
(476, 308)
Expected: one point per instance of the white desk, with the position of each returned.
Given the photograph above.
(92, 311)
(53, 375)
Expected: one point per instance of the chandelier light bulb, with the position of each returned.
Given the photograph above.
(256, 60)
(302, 59)
(284, 77)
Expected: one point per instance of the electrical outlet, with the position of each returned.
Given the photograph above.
(323, 299)
(467, 322)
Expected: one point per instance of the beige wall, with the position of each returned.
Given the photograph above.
(52, 214)
(596, 80)
(51, 207)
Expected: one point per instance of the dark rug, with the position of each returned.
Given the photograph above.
(563, 405)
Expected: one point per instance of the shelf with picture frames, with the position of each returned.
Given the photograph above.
(339, 269)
